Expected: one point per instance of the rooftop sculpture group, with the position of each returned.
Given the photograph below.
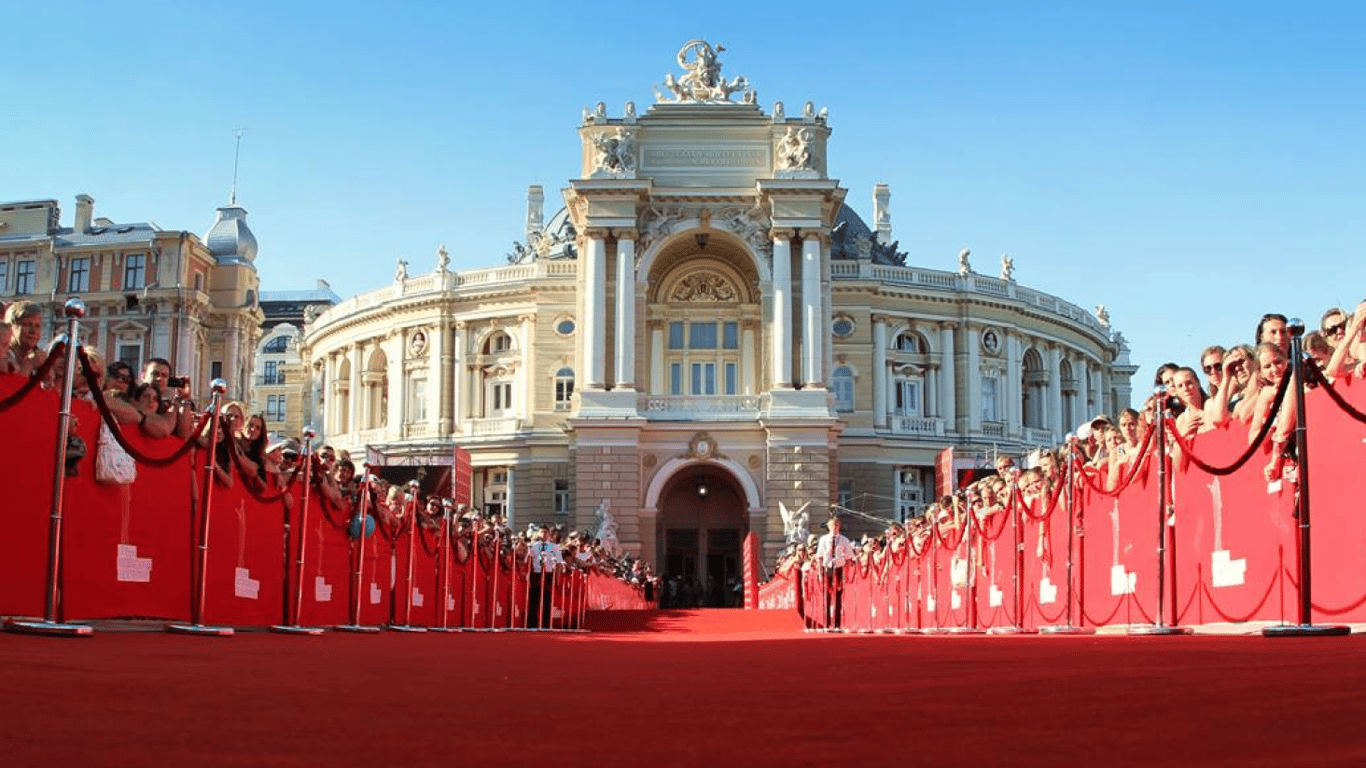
(701, 80)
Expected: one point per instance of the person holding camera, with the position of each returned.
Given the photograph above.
(545, 557)
(833, 552)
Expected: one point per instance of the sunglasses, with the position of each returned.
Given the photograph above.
(1336, 329)
(1212, 368)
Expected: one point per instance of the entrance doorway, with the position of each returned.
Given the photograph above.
(702, 525)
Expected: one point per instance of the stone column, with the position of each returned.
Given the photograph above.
(658, 385)
(781, 329)
(461, 376)
(438, 378)
(394, 384)
(332, 421)
(1013, 391)
(972, 386)
(879, 372)
(813, 325)
(1054, 419)
(626, 309)
(356, 399)
(523, 382)
(748, 354)
(1083, 371)
(948, 391)
(594, 310)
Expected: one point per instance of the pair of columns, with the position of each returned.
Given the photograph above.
(593, 319)
(814, 332)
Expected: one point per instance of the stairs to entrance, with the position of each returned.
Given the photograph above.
(701, 621)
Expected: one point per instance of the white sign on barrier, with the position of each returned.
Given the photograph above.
(417, 597)
(995, 597)
(245, 586)
(375, 594)
(322, 591)
(1048, 592)
(132, 568)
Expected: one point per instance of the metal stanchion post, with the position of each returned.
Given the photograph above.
(293, 628)
(413, 544)
(444, 564)
(1306, 626)
(1016, 511)
(1159, 625)
(969, 586)
(197, 627)
(51, 624)
(497, 566)
(358, 578)
(1070, 627)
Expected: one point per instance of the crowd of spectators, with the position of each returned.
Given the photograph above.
(1239, 385)
(160, 404)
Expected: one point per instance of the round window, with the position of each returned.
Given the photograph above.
(842, 326)
(564, 327)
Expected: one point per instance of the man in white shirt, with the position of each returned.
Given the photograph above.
(833, 552)
(545, 557)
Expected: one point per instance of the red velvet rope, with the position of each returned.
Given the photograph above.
(1252, 447)
(38, 377)
(1333, 394)
(108, 416)
(1131, 474)
(250, 483)
(983, 531)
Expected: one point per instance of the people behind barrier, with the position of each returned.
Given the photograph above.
(25, 320)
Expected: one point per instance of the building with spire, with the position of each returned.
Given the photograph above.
(704, 340)
(149, 292)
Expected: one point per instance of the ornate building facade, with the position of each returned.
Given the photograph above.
(149, 292)
(704, 339)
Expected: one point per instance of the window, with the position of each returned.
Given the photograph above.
(4, 276)
(499, 402)
(216, 369)
(842, 327)
(276, 345)
(561, 497)
(704, 358)
(842, 384)
(564, 388)
(134, 271)
(565, 327)
(910, 491)
(497, 343)
(23, 278)
(272, 374)
(846, 494)
(910, 399)
(907, 342)
(132, 355)
(78, 275)
(417, 400)
(989, 397)
(275, 408)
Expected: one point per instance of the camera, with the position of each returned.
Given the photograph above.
(178, 382)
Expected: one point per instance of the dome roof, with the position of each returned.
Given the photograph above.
(230, 239)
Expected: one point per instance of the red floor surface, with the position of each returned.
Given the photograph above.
(742, 692)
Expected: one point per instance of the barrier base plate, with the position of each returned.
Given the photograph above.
(909, 631)
(963, 631)
(406, 628)
(443, 629)
(356, 628)
(1159, 629)
(199, 629)
(288, 629)
(1068, 629)
(1012, 631)
(1306, 630)
(49, 628)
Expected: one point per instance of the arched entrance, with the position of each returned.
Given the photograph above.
(702, 524)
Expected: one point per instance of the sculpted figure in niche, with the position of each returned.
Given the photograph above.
(794, 150)
(616, 151)
(703, 287)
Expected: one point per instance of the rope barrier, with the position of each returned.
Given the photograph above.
(1318, 377)
(1252, 447)
(116, 429)
(1131, 475)
(38, 377)
(234, 451)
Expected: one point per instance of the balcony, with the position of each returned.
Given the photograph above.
(270, 380)
(1034, 436)
(917, 425)
(703, 407)
(494, 427)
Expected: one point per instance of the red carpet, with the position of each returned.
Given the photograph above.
(613, 698)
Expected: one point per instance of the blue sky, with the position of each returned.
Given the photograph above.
(1189, 165)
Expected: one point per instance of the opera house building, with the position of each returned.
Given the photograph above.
(701, 336)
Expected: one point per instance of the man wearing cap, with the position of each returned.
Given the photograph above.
(833, 552)
(544, 556)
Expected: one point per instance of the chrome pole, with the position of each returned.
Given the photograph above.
(413, 544)
(293, 628)
(358, 578)
(1070, 627)
(74, 310)
(197, 627)
(1306, 627)
(1159, 625)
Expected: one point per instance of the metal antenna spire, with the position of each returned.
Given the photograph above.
(237, 154)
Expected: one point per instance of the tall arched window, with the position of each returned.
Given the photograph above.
(564, 388)
(842, 385)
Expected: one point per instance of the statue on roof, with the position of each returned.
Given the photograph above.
(616, 152)
(401, 270)
(443, 259)
(964, 266)
(1007, 268)
(701, 79)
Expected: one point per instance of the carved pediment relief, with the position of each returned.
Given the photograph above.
(704, 287)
